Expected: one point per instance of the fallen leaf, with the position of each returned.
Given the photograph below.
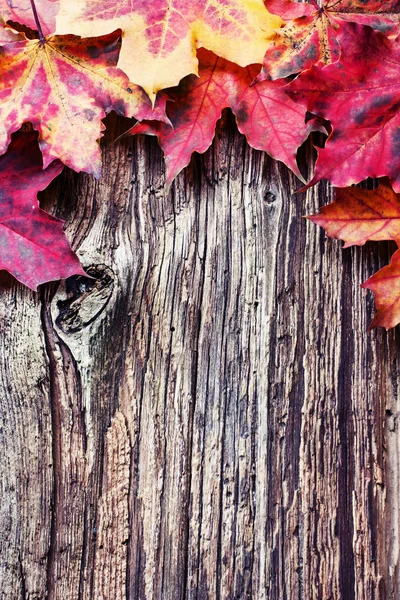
(65, 87)
(361, 98)
(386, 287)
(315, 36)
(289, 9)
(160, 37)
(358, 215)
(263, 114)
(381, 16)
(33, 246)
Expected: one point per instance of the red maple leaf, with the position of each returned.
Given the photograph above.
(289, 9)
(361, 98)
(263, 114)
(34, 248)
(314, 35)
(65, 86)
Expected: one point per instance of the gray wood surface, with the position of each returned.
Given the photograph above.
(206, 418)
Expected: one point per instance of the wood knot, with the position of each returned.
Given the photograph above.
(86, 298)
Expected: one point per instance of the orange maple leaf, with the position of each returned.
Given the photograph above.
(357, 216)
(64, 86)
(160, 38)
(386, 287)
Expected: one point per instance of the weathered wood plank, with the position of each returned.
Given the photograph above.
(207, 417)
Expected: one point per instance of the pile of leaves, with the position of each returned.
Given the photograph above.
(284, 68)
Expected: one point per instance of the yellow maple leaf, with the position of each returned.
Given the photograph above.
(160, 37)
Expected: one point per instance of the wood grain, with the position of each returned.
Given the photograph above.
(205, 417)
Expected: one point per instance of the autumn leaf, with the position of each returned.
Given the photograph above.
(386, 287)
(34, 248)
(358, 215)
(160, 37)
(315, 35)
(289, 9)
(381, 16)
(361, 98)
(64, 87)
(21, 12)
(303, 42)
(263, 114)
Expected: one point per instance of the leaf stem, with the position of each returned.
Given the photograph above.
(38, 25)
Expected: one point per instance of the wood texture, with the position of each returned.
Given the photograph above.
(206, 417)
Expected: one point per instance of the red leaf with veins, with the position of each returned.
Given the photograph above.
(361, 98)
(263, 114)
(316, 36)
(65, 87)
(288, 9)
(33, 246)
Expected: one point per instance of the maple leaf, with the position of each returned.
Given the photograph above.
(21, 12)
(386, 287)
(160, 37)
(289, 9)
(315, 35)
(263, 114)
(34, 248)
(361, 98)
(381, 16)
(64, 86)
(357, 216)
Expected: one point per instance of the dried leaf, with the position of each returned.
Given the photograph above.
(288, 9)
(358, 215)
(263, 114)
(361, 98)
(65, 87)
(34, 248)
(386, 287)
(316, 36)
(160, 37)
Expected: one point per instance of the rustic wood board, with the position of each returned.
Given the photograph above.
(206, 418)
